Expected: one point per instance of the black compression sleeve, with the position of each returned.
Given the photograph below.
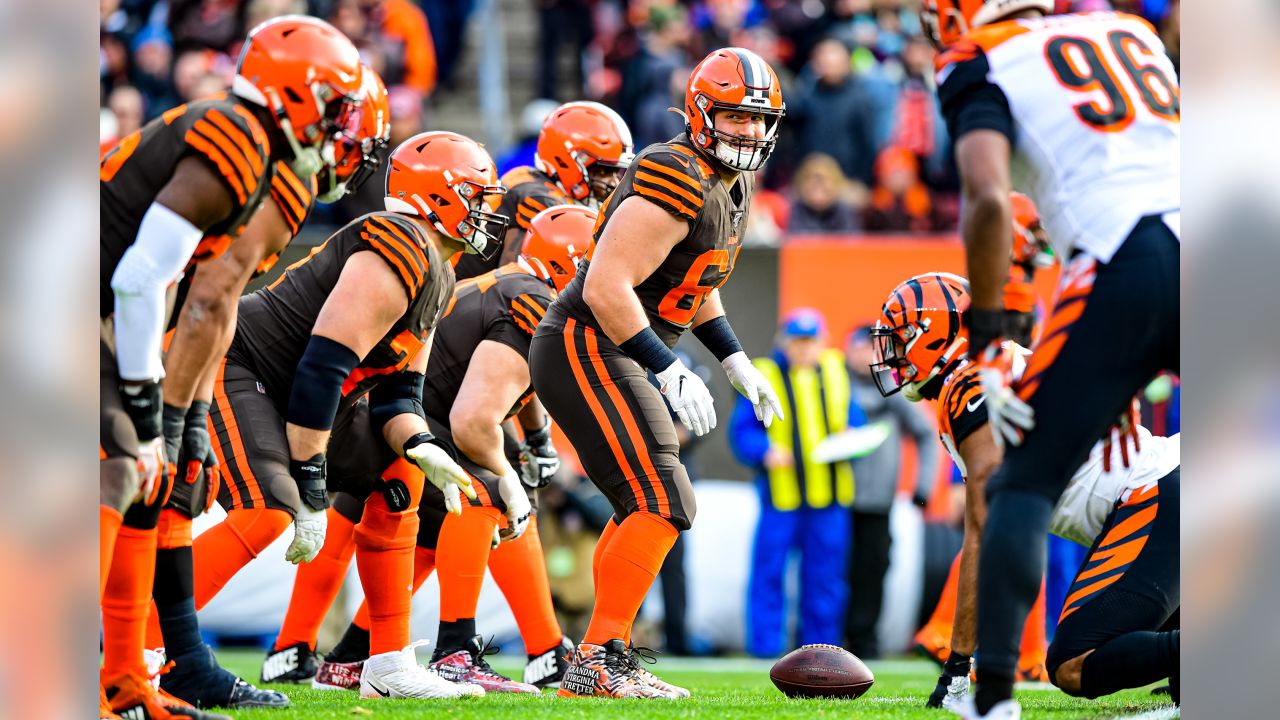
(646, 348)
(317, 386)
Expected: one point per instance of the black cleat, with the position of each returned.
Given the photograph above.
(294, 664)
(547, 670)
(198, 679)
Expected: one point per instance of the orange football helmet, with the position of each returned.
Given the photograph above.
(1031, 247)
(585, 147)
(358, 155)
(451, 182)
(309, 75)
(946, 21)
(733, 79)
(919, 334)
(555, 243)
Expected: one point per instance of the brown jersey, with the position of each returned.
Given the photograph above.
(529, 192)
(236, 140)
(961, 409)
(505, 306)
(674, 177)
(274, 324)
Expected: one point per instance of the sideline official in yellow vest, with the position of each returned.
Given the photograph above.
(804, 505)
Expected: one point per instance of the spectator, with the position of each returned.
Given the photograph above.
(768, 215)
(838, 113)
(447, 21)
(663, 52)
(655, 122)
(721, 22)
(127, 104)
(198, 73)
(260, 11)
(153, 65)
(562, 23)
(804, 505)
(821, 203)
(394, 37)
(877, 475)
(211, 24)
(900, 202)
(523, 152)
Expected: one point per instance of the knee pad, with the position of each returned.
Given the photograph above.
(382, 529)
(256, 528)
(174, 530)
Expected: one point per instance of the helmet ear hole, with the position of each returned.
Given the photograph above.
(937, 344)
(439, 200)
(293, 96)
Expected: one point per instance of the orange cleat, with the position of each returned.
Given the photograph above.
(104, 707)
(605, 671)
(134, 697)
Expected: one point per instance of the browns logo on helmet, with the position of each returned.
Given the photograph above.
(585, 147)
(919, 333)
(946, 21)
(451, 182)
(733, 79)
(557, 239)
(309, 75)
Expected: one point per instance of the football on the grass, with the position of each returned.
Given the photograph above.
(821, 671)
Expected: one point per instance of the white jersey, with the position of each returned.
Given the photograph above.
(1092, 494)
(1091, 104)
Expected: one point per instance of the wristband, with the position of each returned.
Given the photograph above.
(426, 437)
(142, 404)
(647, 349)
(717, 336)
(984, 326)
(539, 437)
(309, 474)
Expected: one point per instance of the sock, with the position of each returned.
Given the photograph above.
(453, 636)
(606, 536)
(109, 520)
(942, 621)
(628, 567)
(424, 563)
(125, 601)
(223, 549)
(520, 570)
(384, 556)
(173, 581)
(316, 584)
(1009, 576)
(1129, 661)
(1032, 651)
(353, 647)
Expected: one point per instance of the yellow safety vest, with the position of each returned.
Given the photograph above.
(820, 408)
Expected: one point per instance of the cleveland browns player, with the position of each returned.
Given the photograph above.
(1087, 108)
(1118, 627)
(180, 190)
(479, 379)
(583, 149)
(351, 319)
(665, 242)
(172, 625)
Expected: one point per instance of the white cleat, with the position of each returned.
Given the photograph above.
(399, 675)
(957, 694)
(1003, 710)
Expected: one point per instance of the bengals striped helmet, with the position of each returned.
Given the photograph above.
(309, 75)
(451, 182)
(919, 334)
(733, 79)
(585, 147)
(946, 21)
(555, 243)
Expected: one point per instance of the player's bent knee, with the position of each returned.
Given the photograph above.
(381, 529)
(118, 482)
(257, 528)
(1067, 676)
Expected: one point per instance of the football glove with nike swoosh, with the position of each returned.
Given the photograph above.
(688, 397)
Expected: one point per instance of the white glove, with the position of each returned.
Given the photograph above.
(748, 380)
(539, 461)
(308, 535)
(1009, 416)
(688, 397)
(442, 472)
(518, 508)
(151, 463)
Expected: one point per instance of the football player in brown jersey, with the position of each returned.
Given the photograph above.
(211, 296)
(665, 242)
(583, 149)
(180, 191)
(479, 381)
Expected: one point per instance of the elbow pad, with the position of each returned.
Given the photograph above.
(317, 386)
(156, 258)
(399, 394)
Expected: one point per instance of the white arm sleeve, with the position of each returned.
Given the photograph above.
(164, 245)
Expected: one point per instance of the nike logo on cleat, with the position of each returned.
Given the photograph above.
(380, 691)
(279, 664)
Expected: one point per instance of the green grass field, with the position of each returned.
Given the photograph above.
(721, 689)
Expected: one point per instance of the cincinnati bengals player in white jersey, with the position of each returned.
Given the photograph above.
(1082, 111)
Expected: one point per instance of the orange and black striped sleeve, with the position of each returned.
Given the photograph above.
(671, 181)
(294, 196)
(401, 245)
(233, 142)
(962, 406)
(533, 203)
(515, 313)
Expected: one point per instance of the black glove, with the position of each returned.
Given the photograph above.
(1020, 326)
(985, 328)
(186, 439)
(919, 500)
(539, 460)
(142, 403)
(311, 479)
(954, 680)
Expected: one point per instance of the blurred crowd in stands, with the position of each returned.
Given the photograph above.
(863, 147)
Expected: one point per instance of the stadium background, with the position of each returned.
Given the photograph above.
(860, 194)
